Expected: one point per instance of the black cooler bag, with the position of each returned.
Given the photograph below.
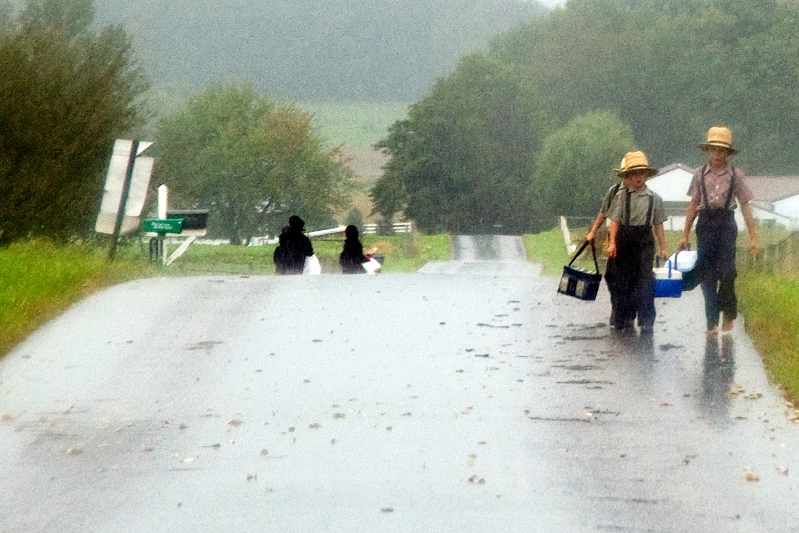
(580, 283)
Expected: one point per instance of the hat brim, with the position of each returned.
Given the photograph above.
(705, 146)
(652, 171)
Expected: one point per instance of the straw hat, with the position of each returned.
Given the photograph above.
(719, 136)
(635, 161)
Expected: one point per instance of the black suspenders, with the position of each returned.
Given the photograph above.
(627, 209)
(729, 192)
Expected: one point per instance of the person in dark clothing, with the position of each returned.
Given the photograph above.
(715, 189)
(294, 247)
(280, 257)
(637, 217)
(351, 258)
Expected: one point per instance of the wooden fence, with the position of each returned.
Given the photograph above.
(781, 258)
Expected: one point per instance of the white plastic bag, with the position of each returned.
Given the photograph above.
(372, 266)
(312, 266)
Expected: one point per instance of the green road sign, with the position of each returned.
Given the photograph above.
(167, 225)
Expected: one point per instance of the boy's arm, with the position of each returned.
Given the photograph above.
(614, 228)
(690, 216)
(660, 237)
(749, 219)
(600, 219)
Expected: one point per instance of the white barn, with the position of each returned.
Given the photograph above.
(672, 184)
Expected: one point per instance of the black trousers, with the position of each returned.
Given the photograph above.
(629, 276)
(716, 233)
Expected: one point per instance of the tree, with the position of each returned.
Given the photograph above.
(252, 162)
(462, 160)
(574, 167)
(65, 94)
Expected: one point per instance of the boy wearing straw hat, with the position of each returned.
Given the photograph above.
(601, 217)
(635, 212)
(715, 188)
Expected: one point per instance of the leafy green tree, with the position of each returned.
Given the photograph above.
(252, 162)
(65, 94)
(462, 160)
(574, 167)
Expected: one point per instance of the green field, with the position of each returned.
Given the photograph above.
(356, 125)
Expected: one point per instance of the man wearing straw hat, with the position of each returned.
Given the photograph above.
(714, 191)
(635, 212)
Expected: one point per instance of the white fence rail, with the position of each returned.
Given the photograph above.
(397, 227)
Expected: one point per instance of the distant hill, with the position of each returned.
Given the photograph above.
(311, 50)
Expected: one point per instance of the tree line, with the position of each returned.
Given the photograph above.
(68, 91)
(532, 128)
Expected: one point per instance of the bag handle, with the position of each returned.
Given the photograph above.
(593, 251)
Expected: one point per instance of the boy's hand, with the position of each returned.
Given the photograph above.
(754, 246)
(612, 250)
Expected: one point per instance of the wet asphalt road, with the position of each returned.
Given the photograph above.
(469, 397)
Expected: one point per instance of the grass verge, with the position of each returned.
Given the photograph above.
(548, 249)
(39, 279)
(769, 304)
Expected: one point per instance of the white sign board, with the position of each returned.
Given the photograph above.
(114, 183)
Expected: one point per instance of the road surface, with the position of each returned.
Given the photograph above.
(468, 397)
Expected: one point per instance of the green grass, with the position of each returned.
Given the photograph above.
(549, 250)
(769, 304)
(39, 279)
(357, 124)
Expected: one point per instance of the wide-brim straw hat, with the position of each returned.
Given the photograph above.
(719, 136)
(635, 161)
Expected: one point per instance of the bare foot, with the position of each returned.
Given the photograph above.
(726, 325)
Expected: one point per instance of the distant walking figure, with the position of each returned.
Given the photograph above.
(294, 246)
(351, 258)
